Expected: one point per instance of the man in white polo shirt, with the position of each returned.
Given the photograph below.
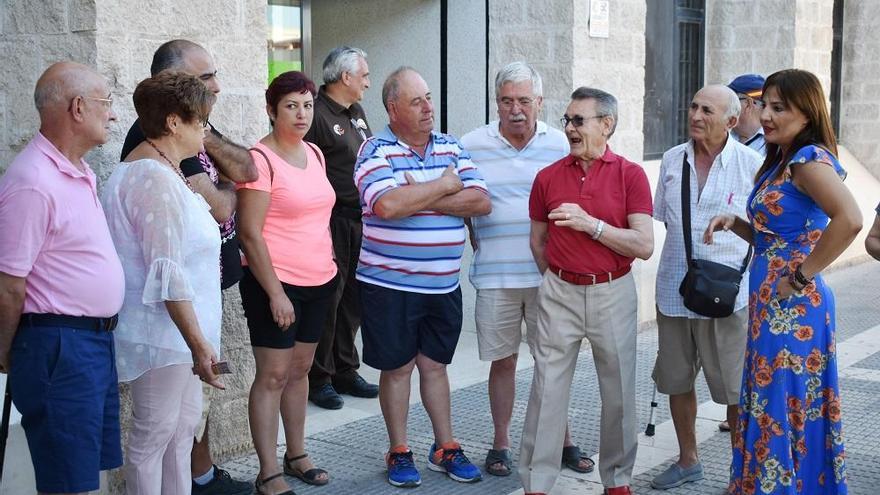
(509, 152)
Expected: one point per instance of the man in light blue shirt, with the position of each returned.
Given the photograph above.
(749, 89)
(509, 153)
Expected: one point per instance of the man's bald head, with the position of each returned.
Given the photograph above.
(172, 55)
(62, 82)
(724, 97)
(186, 56)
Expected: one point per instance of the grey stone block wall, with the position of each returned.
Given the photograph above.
(860, 105)
(33, 35)
(553, 36)
(764, 37)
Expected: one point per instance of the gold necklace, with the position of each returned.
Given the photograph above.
(176, 169)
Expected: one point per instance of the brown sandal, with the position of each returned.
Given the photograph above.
(310, 476)
(259, 483)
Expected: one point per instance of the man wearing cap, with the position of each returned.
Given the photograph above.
(749, 89)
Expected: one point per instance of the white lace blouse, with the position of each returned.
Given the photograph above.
(169, 245)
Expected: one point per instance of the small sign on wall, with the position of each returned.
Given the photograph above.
(599, 18)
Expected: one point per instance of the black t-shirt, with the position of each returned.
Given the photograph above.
(339, 132)
(230, 257)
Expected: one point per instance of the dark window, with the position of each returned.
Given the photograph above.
(674, 45)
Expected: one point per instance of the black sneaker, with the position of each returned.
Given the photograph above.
(222, 484)
(325, 396)
(357, 387)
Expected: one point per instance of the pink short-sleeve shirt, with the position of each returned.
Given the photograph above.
(297, 225)
(53, 233)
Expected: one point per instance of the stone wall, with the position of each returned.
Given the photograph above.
(860, 100)
(33, 35)
(741, 38)
(745, 36)
(539, 33)
(615, 64)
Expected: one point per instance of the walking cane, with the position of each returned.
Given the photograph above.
(649, 430)
(4, 425)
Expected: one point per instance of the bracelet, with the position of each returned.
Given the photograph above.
(598, 233)
(795, 283)
(800, 277)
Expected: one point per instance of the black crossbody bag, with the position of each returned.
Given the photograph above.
(709, 288)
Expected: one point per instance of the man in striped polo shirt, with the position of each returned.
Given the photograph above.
(415, 188)
(510, 151)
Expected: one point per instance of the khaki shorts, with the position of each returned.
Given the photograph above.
(718, 346)
(499, 314)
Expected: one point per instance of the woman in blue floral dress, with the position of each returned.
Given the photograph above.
(788, 438)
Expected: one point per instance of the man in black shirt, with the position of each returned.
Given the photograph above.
(212, 174)
(339, 128)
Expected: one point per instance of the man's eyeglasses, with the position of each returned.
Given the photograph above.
(577, 120)
(108, 102)
(758, 102)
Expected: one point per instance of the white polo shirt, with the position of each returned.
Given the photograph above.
(503, 259)
(727, 189)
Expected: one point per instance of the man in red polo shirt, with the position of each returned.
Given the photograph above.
(591, 217)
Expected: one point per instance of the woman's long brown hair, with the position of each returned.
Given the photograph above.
(799, 89)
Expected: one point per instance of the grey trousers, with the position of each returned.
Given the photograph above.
(605, 314)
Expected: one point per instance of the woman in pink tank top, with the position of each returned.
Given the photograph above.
(290, 277)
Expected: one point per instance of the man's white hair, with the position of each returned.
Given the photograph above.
(340, 60)
(515, 72)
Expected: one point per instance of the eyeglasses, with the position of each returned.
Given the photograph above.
(758, 102)
(577, 120)
(108, 102)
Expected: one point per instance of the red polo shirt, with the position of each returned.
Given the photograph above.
(612, 188)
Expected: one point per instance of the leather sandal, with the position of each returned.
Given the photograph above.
(310, 476)
(572, 457)
(259, 483)
(498, 462)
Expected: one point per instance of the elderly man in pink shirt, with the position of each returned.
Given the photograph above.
(61, 285)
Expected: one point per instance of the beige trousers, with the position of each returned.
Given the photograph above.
(605, 314)
(166, 408)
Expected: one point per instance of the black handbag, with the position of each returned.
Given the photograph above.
(709, 288)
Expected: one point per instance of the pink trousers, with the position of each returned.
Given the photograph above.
(166, 408)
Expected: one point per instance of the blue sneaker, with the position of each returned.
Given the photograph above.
(402, 470)
(454, 463)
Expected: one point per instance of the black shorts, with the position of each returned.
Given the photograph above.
(397, 325)
(311, 306)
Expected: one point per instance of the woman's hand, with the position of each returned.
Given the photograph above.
(282, 311)
(718, 222)
(204, 359)
(784, 289)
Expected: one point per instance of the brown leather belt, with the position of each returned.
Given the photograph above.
(588, 278)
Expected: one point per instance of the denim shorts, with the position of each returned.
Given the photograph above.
(64, 384)
(398, 325)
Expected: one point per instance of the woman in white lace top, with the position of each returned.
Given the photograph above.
(169, 326)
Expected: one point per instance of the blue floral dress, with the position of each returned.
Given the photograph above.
(788, 438)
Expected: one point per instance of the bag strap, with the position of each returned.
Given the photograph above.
(317, 155)
(268, 163)
(686, 215)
